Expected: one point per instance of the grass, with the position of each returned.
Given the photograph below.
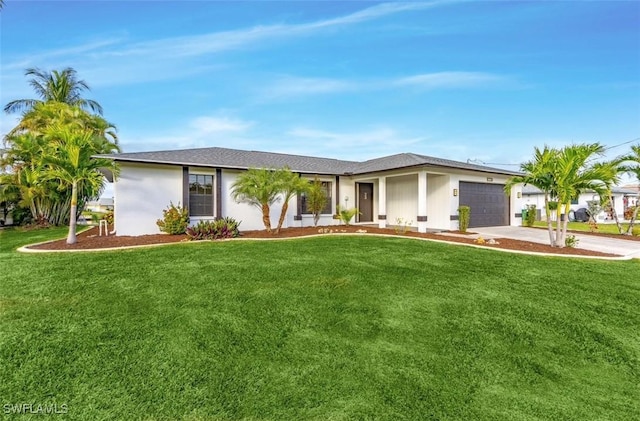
(609, 228)
(330, 328)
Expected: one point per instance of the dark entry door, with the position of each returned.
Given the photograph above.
(365, 202)
(488, 203)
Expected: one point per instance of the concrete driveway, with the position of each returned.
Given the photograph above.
(627, 248)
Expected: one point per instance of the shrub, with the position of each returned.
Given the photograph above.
(214, 230)
(402, 226)
(571, 241)
(109, 216)
(636, 231)
(346, 215)
(464, 215)
(628, 212)
(531, 215)
(175, 219)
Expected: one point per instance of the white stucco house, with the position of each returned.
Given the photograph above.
(424, 190)
(622, 198)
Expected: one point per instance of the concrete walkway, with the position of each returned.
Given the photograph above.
(627, 248)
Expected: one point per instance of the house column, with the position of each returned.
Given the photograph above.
(422, 201)
(218, 199)
(382, 202)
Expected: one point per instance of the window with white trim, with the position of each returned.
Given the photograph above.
(200, 195)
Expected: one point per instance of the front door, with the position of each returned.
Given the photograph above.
(365, 202)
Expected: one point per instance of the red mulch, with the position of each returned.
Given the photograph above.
(90, 240)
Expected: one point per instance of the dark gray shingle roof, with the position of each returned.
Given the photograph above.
(405, 160)
(240, 159)
(234, 158)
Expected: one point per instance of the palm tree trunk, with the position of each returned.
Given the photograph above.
(565, 223)
(266, 218)
(558, 225)
(548, 215)
(283, 214)
(633, 220)
(71, 238)
(615, 214)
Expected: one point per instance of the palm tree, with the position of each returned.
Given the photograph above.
(28, 144)
(539, 173)
(73, 166)
(632, 167)
(56, 86)
(289, 184)
(258, 187)
(573, 174)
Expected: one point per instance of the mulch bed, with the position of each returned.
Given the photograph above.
(90, 240)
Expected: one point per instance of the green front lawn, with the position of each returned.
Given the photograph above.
(583, 226)
(328, 328)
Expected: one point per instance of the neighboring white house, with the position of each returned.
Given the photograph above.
(104, 204)
(622, 199)
(424, 190)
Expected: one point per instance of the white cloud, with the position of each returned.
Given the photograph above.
(112, 57)
(447, 80)
(291, 86)
(357, 145)
(209, 125)
(198, 132)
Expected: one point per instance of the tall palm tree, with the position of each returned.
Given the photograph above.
(631, 165)
(539, 173)
(258, 187)
(73, 166)
(573, 174)
(28, 144)
(289, 184)
(56, 86)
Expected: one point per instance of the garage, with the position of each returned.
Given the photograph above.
(488, 202)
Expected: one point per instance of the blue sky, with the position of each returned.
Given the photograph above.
(462, 80)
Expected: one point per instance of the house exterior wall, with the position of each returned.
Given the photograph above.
(142, 191)
(402, 199)
(438, 196)
(250, 216)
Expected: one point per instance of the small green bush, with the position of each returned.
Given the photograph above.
(571, 241)
(464, 216)
(175, 219)
(531, 215)
(636, 231)
(346, 215)
(214, 230)
(109, 216)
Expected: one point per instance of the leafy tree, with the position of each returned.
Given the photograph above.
(56, 86)
(316, 199)
(258, 187)
(72, 166)
(289, 184)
